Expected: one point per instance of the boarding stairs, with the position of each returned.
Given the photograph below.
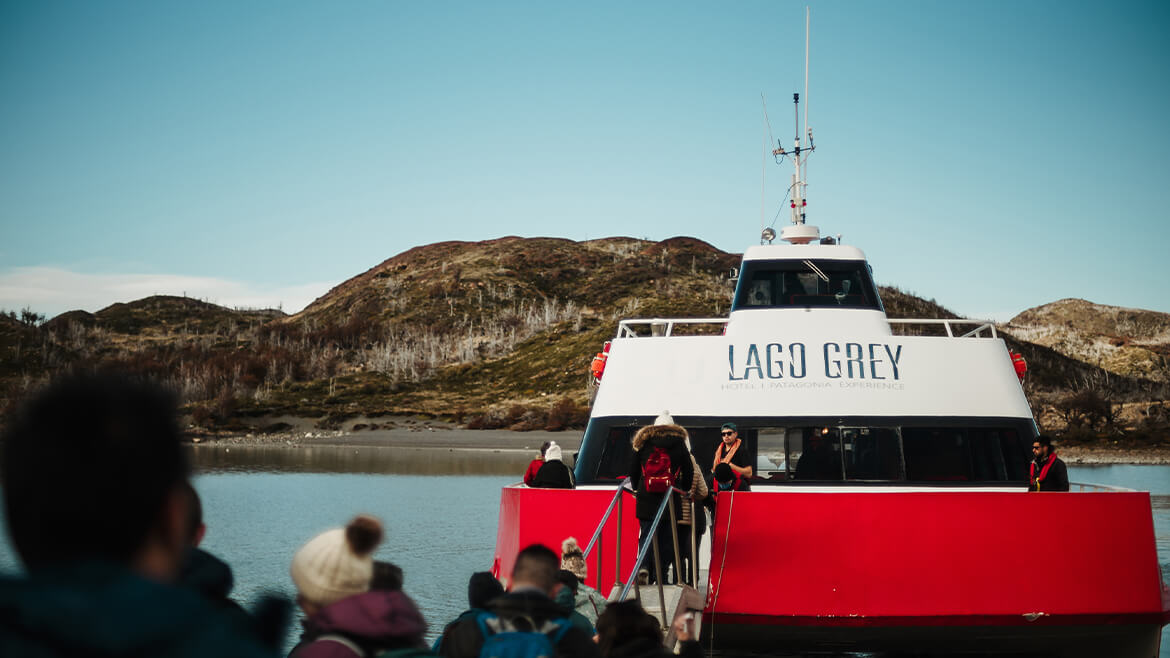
(664, 601)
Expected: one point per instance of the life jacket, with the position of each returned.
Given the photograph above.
(725, 458)
(1037, 479)
(657, 474)
(1019, 364)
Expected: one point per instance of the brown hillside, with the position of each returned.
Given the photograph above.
(499, 334)
(1124, 342)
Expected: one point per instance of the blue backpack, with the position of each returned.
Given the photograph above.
(505, 638)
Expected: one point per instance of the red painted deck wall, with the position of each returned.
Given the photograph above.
(934, 554)
(548, 516)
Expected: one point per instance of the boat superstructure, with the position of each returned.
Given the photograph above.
(889, 507)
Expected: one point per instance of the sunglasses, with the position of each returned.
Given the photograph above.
(727, 433)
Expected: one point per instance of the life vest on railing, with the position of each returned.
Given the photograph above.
(1019, 364)
(597, 368)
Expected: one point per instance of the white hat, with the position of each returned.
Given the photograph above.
(337, 563)
(664, 419)
(553, 454)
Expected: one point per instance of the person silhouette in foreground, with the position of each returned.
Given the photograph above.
(200, 570)
(625, 630)
(93, 481)
(528, 606)
(344, 617)
(587, 601)
(482, 587)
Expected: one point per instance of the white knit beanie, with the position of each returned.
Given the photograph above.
(664, 419)
(337, 563)
(553, 454)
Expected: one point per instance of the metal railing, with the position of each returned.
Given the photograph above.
(647, 546)
(1086, 486)
(950, 326)
(659, 326)
(642, 327)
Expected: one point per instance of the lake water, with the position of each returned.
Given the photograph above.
(440, 509)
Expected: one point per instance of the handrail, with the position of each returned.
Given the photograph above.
(605, 517)
(647, 546)
(1085, 486)
(667, 501)
(664, 327)
(617, 497)
(947, 324)
(660, 326)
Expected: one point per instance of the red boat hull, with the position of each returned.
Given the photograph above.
(889, 569)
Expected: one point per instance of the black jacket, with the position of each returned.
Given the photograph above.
(1055, 480)
(553, 475)
(464, 639)
(671, 439)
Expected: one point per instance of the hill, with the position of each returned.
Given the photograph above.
(500, 333)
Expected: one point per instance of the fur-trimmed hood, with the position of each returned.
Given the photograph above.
(661, 436)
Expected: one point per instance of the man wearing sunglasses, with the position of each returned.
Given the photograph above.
(732, 452)
(1047, 471)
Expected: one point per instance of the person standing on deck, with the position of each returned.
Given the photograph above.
(692, 517)
(535, 464)
(659, 447)
(553, 474)
(1047, 472)
(732, 451)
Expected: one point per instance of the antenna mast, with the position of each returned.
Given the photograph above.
(799, 233)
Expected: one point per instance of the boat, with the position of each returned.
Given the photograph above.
(917, 531)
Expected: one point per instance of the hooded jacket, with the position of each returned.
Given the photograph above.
(672, 440)
(374, 621)
(99, 608)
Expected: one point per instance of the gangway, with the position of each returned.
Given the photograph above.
(664, 601)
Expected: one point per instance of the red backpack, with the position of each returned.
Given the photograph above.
(657, 475)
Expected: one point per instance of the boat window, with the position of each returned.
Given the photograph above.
(806, 282)
(835, 453)
(937, 454)
(814, 453)
(615, 458)
(871, 453)
(771, 454)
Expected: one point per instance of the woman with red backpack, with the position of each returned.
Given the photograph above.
(660, 461)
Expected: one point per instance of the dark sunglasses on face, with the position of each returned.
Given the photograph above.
(727, 433)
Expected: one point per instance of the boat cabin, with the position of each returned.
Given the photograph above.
(821, 390)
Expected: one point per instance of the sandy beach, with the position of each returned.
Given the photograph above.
(403, 432)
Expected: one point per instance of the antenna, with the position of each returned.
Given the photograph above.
(799, 233)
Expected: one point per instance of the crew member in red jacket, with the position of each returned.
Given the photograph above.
(535, 464)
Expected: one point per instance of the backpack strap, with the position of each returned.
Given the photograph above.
(481, 622)
(564, 625)
(342, 640)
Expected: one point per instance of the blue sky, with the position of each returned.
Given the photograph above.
(991, 155)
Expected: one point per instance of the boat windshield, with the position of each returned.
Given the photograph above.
(841, 453)
(805, 282)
